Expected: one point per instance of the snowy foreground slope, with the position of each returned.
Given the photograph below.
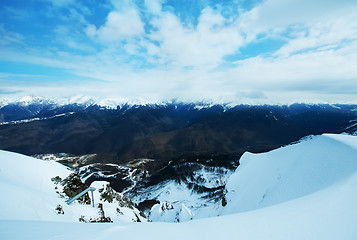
(291, 172)
(302, 191)
(29, 193)
(27, 190)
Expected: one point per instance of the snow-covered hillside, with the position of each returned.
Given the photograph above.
(29, 192)
(291, 172)
(302, 191)
(194, 196)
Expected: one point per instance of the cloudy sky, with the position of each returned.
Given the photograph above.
(231, 51)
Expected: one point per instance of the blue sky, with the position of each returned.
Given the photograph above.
(233, 51)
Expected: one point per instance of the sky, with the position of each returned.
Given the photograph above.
(219, 51)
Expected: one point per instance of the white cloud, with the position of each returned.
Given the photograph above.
(17, 13)
(276, 15)
(309, 69)
(90, 30)
(330, 33)
(251, 94)
(154, 6)
(119, 26)
(206, 44)
(170, 41)
(9, 37)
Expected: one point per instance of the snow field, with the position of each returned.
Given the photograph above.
(290, 172)
(29, 194)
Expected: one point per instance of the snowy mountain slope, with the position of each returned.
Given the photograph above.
(116, 205)
(327, 214)
(194, 195)
(26, 184)
(310, 193)
(262, 180)
(29, 193)
(291, 172)
(177, 203)
(35, 119)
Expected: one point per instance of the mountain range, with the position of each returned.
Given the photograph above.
(165, 131)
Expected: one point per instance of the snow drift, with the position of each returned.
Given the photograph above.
(291, 172)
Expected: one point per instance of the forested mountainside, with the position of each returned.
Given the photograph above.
(164, 132)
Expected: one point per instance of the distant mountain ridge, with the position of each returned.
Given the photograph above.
(39, 107)
(163, 131)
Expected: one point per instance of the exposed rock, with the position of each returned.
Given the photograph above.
(116, 205)
(73, 185)
(59, 209)
(107, 194)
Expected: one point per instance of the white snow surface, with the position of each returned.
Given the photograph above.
(290, 172)
(186, 204)
(309, 191)
(27, 190)
(35, 119)
(27, 193)
(126, 214)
